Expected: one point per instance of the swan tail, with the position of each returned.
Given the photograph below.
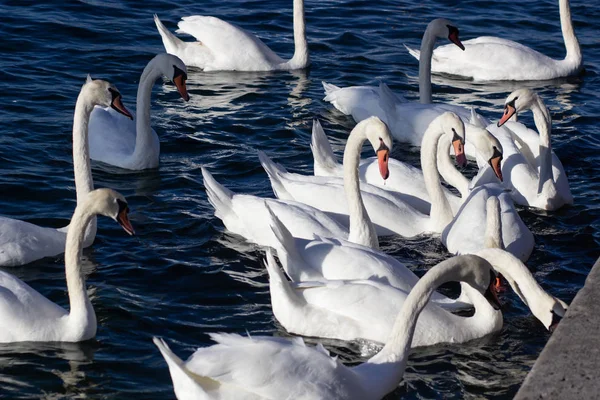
(286, 248)
(330, 90)
(415, 53)
(171, 42)
(325, 163)
(275, 172)
(181, 377)
(218, 196)
(280, 288)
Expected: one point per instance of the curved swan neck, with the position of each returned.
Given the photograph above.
(301, 58)
(566, 25)
(543, 123)
(362, 230)
(382, 372)
(143, 130)
(447, 168)
(427, 44)
(441, 213)
(84, 182)
(81, 312)
(493, 225)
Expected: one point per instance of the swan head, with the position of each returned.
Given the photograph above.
(104, 94)
(488, 147)
(379, 136)
(453, 127)
(111, 204)
(175, 70)
(442, 28)
(516, 102)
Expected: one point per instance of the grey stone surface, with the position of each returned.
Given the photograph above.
(569, 365)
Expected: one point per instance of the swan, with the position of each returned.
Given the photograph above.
(389, 213)
(276, 368)
(533, 173)
(334, 259)
(22, 242)
(222, 46)
(248, 216)
(27, 316)
(405, 180)
(364, 309)
(488, 58)
(131, 144)
(407, 120)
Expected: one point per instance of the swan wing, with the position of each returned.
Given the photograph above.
(231, 46)
(272, 368)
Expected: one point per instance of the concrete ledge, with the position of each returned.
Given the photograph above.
(569, 365)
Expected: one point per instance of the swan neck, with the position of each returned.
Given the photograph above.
(362, 230)
(143, 134)
(493, 226)
(543, 124)
(566, 25)
(81, 311)
(301, 58)
(447, 167)
(82, 168)
(441, 213)
(382, 372)
(425, 66)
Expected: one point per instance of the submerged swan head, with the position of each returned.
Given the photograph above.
(487, 147)
(111, 204)
(104, 94)
(516, 102)
(174, 69)
(442, 28)
(379, 136)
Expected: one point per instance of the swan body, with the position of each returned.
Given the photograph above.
(28, 316)
(235, 367)
(22, 242)
(464, 234)
(222, 46)
(532, 171)
(407, 120)
(337, 259)
(128, 143)
(248, 216)
(324, 192)
(489, 58)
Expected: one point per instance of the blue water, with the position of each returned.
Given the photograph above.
(183, 275)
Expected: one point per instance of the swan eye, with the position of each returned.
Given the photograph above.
(555, 320)
(382, 145)
(123, 207)
(114, 93)
(455, 137)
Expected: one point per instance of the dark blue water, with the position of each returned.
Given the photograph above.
(183, 276)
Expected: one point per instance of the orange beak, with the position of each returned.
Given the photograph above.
(383, 155)
(495, 164)
(118, 106)
(509, 111)
(123, 220)
(181, 88)
(459, 152)
(453, 37)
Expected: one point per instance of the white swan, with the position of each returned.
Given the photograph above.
(491, 58)
(335, 259)
(274, 368)
(222, 46)
(405, 180)
(532, 171)
(131, 144)
(364, 309)
(389, 213)
(27, 316)
(248, 215)
(22, 242)
(407, 120)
